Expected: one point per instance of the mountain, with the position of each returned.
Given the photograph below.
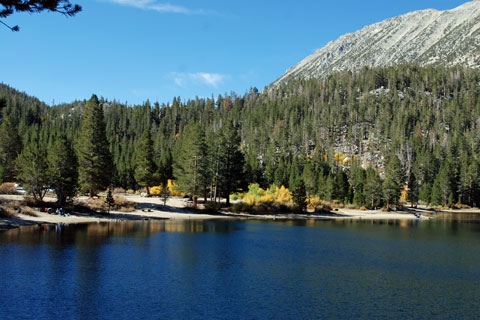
(426, 37)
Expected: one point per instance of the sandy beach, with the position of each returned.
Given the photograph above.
(175, 209)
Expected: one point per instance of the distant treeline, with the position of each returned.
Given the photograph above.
(357, 137)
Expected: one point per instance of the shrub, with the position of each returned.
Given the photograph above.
(236, 196)
(119, 190)
(8, 188)
(241, 207)
(257, 195)
(7, 212)
(313, 202)
(211, 207)
(29, 212)
(32, 202)
(123, 205)
(157, 190)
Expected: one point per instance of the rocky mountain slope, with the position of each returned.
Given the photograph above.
(424, 37)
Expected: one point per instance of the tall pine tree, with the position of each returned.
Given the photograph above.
(191, 166)
(94, 158)
(32, 169)
(232, 162)
(144, 165)
(394, 181)
(63, 170)
(10, 147)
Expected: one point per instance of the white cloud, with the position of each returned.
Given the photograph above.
(202, 78)
(154, 5)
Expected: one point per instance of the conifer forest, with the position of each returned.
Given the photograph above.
(362, 138)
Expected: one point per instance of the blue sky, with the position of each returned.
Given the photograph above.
(134, 50)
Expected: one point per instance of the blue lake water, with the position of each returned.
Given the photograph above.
(243, 270)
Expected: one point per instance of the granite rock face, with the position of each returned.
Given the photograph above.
(426, 37)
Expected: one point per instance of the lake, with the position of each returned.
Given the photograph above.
(243, 270)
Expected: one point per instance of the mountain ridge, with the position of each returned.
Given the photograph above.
(425, 37)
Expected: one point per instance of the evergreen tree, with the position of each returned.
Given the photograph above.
(470, 183)
(359, 176)
(231, 173)
(32, 170)
(295, 172)
(10, 147)
(373, 188)
(340, 186)
(299, 194)
(109, 200)
(63, 170)
(33, 6)
(310, 179)
(144, 165)
(443, 188)
(413, 192)
(426, 193)
(281, 176)
(165, 169)
(94, 158)
(394, 181)
(191, 167)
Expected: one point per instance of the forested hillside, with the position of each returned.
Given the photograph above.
(406, 124)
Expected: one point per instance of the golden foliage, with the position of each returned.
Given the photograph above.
(156, 190)
(173, 189)
(257, 195)
(404, 194)
(344, 159)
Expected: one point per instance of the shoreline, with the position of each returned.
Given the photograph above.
(153, 209)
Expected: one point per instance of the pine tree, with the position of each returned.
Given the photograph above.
(10, 147)
(281, 176)
(191, 166)
(109, 200)
(144, 165)
(295, 172)
(165, 169)
(426, 193)
(299, 194)
(310, 179)
(340, 186)
(63, 170)
(94, 158)
(231, 171)
(32, 169)
(412, 195)
(394, 181)
(443, 188)
(373, 188)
